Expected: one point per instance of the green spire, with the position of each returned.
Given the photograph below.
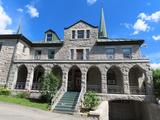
(102, 27)
(19, 30)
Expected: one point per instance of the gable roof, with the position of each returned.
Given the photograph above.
(82, 22)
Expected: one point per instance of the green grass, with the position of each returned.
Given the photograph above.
(24, 102)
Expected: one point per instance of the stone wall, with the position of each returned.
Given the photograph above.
(6, 54)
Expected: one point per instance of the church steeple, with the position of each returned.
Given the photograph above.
(102, 27)
(19, 30)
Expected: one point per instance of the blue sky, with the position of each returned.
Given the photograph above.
(124, 19)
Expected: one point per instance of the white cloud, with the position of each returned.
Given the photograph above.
(140, 26)
(91, 2)
(155, 66)
(33, 12)
(5, 21)
(154, 17)
(127, 25)
(20, 10)
(156, 37)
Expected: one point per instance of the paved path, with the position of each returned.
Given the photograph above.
(16, 112)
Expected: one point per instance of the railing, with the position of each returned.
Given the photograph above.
(57, 97)
(96, 88)
(115, 89)
(80, 100)
(36, 86)
(20, 85)
(137, 90)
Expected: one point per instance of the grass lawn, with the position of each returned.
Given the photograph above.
(24, 102)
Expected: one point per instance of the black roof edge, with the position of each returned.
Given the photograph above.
(24, 39)
(82, 22)
(131, 42)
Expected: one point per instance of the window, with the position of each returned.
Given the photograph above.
(0, 46)
(110, 53)
(24, 49)
(72, 54)
(49, 37)
(127, 53)
(38, 54)
(88, 34)
(87, 54)
(73, 34)
(80, 33)
(51, 54)
(79, 54)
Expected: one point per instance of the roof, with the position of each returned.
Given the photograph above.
(82, 22)
(56, 36)
(24, 39)
(120, 41)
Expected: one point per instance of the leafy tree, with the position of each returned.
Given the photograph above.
(49, 86)
(156, 80)
(91, 100)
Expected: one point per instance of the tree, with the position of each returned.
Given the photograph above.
(49, 86)
(156, 81)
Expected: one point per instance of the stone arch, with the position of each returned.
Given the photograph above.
(57, 71)
(21, 77)
(94, 79)
(74, 79)
(137, 79)
(115, 80)
(38, 73)
(126, 110)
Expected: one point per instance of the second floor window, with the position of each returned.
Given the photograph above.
(87, 54)
(127, 53)
(80, 33)
(110, 53)
(24, 49)
(49, 37)
(72, 54)
(79, 54)
(51, 54)
(38, 54)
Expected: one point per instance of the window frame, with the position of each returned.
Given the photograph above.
(73, 34)
(88, 34)
(49, 37)
(37, 56)
(1, 46)
(51, 50)
(130, 54)
(81, 33)
(72, 54)
(108, 54)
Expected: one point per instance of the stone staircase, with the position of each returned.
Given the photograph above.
(67, 103)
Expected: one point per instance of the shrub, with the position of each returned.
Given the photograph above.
(49, 86)
(156, 81)
(23, 95)
(4, 91)
(91, 100)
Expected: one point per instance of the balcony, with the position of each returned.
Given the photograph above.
(115, 89)
(20, 85)
(96, 88)
(36, 86)
(137, 91)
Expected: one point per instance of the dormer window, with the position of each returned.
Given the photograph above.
(49, 37)
(80, 34)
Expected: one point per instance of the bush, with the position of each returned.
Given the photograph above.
(23, 95)
(4, 91)
(156, 81)
(91, 100)
(49, 86)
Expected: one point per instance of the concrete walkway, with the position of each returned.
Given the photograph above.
(16, 112)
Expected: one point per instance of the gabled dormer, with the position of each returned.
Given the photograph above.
(51, 36)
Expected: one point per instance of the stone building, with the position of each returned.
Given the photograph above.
(87, 59)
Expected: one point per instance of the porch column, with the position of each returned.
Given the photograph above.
(126, 80)
(29, 80)
(104, 82)
(65, 79)
(12, 83)
(84, 81)
(149, 83)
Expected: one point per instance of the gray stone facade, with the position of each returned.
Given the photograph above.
(130, 79)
